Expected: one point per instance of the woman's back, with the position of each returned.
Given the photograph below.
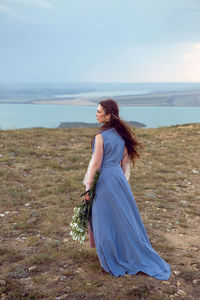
(113, 145)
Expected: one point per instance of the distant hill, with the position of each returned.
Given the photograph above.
(94, 125)
(189, 98)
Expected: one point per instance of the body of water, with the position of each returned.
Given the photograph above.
(23, 115)
(15, 116)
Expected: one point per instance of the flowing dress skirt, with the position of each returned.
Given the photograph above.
(122, 244)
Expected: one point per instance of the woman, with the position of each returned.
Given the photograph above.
(121, 241)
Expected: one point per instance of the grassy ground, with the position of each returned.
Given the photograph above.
(41, 172)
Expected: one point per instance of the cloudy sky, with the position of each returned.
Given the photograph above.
(99, 40)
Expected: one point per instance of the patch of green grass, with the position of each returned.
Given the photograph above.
(11, 255)
(142, 291)
(15, 291)
(40, 258)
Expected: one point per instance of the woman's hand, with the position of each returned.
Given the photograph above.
(86, 197)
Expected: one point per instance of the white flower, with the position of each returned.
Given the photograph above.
(79, 224)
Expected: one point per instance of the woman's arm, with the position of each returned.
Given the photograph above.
(96, 160)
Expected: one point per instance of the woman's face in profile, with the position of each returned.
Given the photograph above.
(101, 115)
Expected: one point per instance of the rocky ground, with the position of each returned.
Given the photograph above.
(41, 172)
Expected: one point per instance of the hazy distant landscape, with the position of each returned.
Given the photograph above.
(126, 94)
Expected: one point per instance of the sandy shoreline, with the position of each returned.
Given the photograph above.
(74, 102)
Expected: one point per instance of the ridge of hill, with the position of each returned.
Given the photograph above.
(41, 173)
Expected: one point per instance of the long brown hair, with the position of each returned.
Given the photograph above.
(133, 145)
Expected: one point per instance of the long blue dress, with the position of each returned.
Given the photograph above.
(122, 244)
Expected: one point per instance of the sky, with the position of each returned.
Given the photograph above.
(99, 41)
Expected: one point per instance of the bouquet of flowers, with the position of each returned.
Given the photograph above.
(82, 213)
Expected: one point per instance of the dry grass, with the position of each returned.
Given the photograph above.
(41, 172)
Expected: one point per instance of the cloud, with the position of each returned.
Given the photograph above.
(193, 55)
(41, 3)
(4, 9)
(191, 62)
(22, 10)
(178, 63)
